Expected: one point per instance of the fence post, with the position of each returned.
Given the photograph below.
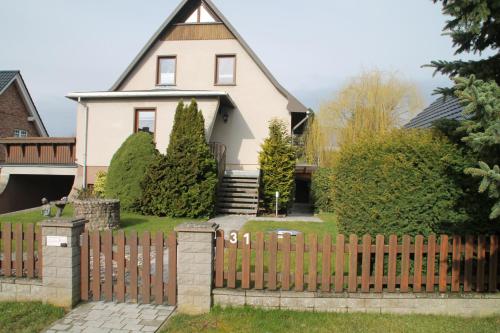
(195, 266)
(61, 261)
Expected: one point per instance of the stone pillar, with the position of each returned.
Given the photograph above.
(61, 261)
(195, 266)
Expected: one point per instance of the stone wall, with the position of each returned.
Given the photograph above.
(20, 289)
(102, 214)
(408, 303)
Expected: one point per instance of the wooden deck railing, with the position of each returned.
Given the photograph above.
(38, 151)
(366, 264)
(21, 254)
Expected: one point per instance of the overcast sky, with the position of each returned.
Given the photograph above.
(312, 47)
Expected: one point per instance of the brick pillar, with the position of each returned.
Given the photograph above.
(195, 266)
(61, 261)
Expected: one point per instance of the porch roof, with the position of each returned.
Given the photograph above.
(223, 96)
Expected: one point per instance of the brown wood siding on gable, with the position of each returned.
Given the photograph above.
(199, 32)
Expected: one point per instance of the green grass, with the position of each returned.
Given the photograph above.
(255, 321)
(329, 226)
(128, 221)
(29, 317)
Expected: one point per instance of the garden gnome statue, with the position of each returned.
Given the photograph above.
(45, 207)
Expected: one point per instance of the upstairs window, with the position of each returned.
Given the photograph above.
(167, 66)
(201, 15)
(20, 133)
(225, 70)
(145, 120)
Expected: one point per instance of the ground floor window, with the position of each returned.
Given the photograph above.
(145, 120)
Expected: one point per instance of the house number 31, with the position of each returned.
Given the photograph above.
(233, 237)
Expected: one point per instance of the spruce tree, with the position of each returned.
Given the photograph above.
(183, 183)
(277, 164)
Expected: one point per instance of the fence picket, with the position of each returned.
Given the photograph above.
(313, 263)
(455, 264)
(96, 264)
(120, 266)
(30, 248)
(353, 263)
(158, 277)
(393, 256)
(326, 264)
(443, 264)
(365, 264)
(285, 276)
(219, 259)
(259, 262)
(273, 248)
(493, 269)
(7, 249)
(231, 277)
(299, 263)
(418, 262)
(108, 265)
(85, 266)
(469, 257)
(431, 260)
(18, 236)
(339, 264)
(245, 263)
(379, 263)
(481, 255)
(172, 268)
(146, 267)
(133, 266)
(405, 264)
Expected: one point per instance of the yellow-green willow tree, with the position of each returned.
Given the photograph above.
(372, 103)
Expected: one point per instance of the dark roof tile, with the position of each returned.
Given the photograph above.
(444, 107)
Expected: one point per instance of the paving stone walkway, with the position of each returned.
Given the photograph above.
(101, 317)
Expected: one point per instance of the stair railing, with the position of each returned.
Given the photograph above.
(218, 150)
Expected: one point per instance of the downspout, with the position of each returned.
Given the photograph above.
(85, 143)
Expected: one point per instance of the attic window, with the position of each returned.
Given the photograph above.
(201, 15)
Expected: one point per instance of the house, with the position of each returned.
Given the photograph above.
(18, 114)
(448, 107)
(27, 153)
(196, 53)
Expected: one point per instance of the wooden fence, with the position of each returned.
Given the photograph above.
(128, 268)
(21, 251)
(407, 264)
(39, 150)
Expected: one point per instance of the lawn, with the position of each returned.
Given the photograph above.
(257, 320)
(329, 226)
(129, 221)
(29, 317)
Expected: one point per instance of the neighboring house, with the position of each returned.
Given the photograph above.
(196, 53)
(28, 173)
(18, 114)
(448, 107)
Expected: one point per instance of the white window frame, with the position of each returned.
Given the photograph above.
(20, 133)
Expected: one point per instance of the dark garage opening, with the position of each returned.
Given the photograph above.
(27, 191)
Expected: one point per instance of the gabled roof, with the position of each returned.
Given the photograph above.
(294, 105)
(7, 78)
(448, 107)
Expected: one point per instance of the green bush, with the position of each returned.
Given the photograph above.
(183, 183)
(401, 183)
(321, 187)
(100, 184)
(277, 164)
(127, 169)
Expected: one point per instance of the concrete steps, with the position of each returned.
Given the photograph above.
(238, 194)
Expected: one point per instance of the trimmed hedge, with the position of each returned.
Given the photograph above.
(401, 183)
(127, 170)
